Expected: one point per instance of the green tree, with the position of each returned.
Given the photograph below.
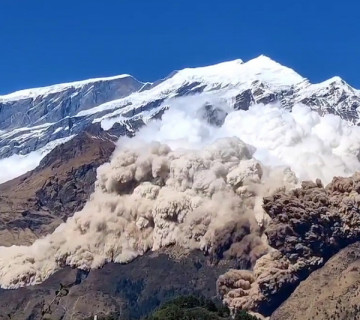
(193, 308)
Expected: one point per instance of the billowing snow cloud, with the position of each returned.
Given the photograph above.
(312, 146)
(16, 165)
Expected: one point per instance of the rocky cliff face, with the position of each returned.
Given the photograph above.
(30, 119)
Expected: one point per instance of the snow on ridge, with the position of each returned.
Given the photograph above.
(273, 72)
(323, 87)
(336, 81)
(237, 72)
(234, 72)
(34, 92)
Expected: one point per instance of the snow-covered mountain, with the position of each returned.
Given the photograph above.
(34, 121)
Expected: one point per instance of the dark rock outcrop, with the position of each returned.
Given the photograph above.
(212, 115)
(244, 100)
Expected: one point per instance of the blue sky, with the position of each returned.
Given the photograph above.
(47, 42)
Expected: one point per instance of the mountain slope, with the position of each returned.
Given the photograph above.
(30, 119)
(331, 292)
(35, 203)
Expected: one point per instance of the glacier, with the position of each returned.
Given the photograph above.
(38, 119)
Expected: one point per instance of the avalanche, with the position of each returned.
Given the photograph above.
(199, 186)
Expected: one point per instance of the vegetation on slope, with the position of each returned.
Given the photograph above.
(193, 308)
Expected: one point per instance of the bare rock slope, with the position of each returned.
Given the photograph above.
(331, 292)
(35, 203)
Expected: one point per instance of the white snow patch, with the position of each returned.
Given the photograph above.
(16, 165)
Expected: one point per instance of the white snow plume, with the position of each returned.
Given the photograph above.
(17, 165)
(149, 197)
(187, 123)
(311, 145)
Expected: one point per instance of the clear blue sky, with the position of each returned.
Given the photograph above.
(46, 42)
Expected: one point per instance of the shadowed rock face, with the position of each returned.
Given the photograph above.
(212, 115)
(244, 100)
(129, 291)
(309, 225)
(34, 204)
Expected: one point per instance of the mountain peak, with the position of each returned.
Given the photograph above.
(273, 72)
(334, 80)
(237, 72)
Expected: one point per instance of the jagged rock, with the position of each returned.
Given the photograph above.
(244, 100)
(213, 115)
